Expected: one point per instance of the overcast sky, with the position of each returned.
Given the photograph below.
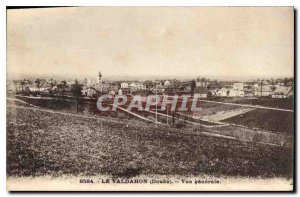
(147, 41)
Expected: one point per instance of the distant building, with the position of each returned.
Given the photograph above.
(200, 92)
(89, 91)
(167, 83)
(99, 78)
(236, 93)
(84, 90)
(94, 88)
(98, 87)
(126, 91)
(242, 89)
(283, 92)
(248, 92)
(112, 92)
(124, 85)
(202, 83)
(158, 83)
(31, 88)
(223, 92)
(106, 88)
(158, 89)
(213, 92)
(237, 90)
(120, 92)
(264, 90)
(133, 86)
(140, 86)
(44, 86)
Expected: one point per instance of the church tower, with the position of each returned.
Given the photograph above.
(99, 79)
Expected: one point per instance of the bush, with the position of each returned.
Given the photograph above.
(179, 124)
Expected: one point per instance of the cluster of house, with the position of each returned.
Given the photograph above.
(199, 88)
(254, 89)
(30, 86)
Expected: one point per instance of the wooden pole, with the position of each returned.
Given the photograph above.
(156, 107)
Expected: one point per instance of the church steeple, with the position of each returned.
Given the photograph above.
(99, 79)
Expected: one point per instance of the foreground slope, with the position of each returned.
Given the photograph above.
(45, 143)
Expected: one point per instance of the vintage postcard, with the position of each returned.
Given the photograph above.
(150, 99)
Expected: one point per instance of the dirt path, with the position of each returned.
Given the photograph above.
(222, 115)
(18, 100)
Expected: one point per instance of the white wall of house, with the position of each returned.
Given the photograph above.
(133, 86)
(124, 85)
(167, 84)
(248, 94)
(278, 96)
(120, 92)
(200, 95)
(236, 93)
(223, 92)
(140, 86)
(33, 89)
(263, 93)
(214, 92)
(89, 92)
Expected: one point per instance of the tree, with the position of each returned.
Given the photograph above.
(216, 83)
(38, 83)
(149, 84)
(176, 83)
(261, 88)
(52, 84)
(22, 83)
(285, 81)
(76, 91)
(85, 81)
(272, 82)
(208, 87)
(193, 85)
(62, 88)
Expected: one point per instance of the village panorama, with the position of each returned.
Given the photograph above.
(255, 113)
(166, 95)
(150, 98)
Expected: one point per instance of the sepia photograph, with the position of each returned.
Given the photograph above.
(150, 99)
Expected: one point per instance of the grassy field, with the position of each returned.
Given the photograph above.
(270, 120)
(276, 121)
(44, 143)
(275, 102)
(267, 102)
